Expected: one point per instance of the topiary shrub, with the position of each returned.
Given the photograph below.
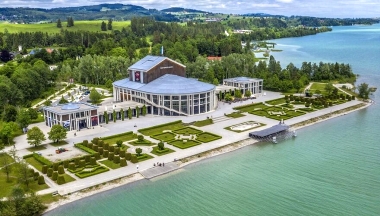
(134, 159)
(85, 142)
(44, 169)
(66, 163)
(35, 176)
(50, 172)
(140, 138)
(61, 180)
(72, 166)
(106, 146)
(54, 176)
(95, 148)
(76, 160)
(95, 140)
(90, 145)
(111, 149)
(128, 156)
(116, 159)
(111, 156)
(117, 150)
(122, 153)
(100, 143)
(123, 162)
(92, 161)
(87, 158)
(82, 163)
(97, 156)
(105, 153)
(119, 143)
(55, 166)
(41, 180)
(61, 170)
(307, 105)
(100, 150)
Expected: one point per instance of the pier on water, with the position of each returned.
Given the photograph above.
(274, 134)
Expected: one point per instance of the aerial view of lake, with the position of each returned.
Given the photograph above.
(331, 168)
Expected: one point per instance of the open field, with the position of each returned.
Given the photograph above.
(93, 26)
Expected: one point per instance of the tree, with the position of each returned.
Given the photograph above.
(63, 100)
(129, 113)
(119, 143)
(23, 118)
(161, 146)
(10, 114)
(35, 136)
(364, 90)
(59, 24)
(329, 88)
(138, 151)
(109, 84)
(5, 164)
(144, 110)
(122, 114)
(140, 138)
(114, 115)
(228, 97)
(23, 173)
(238, 94)
(33, 113)
(95, 96)
(247, 93)
(103, 26)
(137, 111)
(57, 133)
(8, 131)
(109, 25)
(106, 116)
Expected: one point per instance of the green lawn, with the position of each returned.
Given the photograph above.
(276, 101)
(49, 198)
(36, 148)
(18, 132)
(36, 164)
(203, 123)
(318, 86)
(251, 107)
(147, 157)
(110, 164)
(207, 137)
(160, 128)
(184, 145)
(142, 143)
(38, 120)
(167, 151)
(187, 130)
(164, 137)
(67, 177)
(93, 26)
(235, 115)
(123, 137)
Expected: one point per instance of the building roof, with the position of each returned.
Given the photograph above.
(212, 58)
(167, 84)
(269, 131)
(243, 79)
(149, 62)
(70, 108)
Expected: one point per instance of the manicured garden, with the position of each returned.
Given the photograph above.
(158, 129)
(123, 137)
(165, 137)
(184, 144)
(207, 137)
(235, 115)
(187, 131)
(203, 123)
(158, 152)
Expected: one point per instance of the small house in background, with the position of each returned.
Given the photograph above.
(214, 58)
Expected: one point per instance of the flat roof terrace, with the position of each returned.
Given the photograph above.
(70, 108)
(117, 106)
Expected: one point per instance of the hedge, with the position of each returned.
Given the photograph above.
(95, 140)
(87, 158)
(122, 153)
(85, 142)
(111, 156)
(55, 176)
(134, 159)
(82, 163)
(95, 148)
(27, 156)
(84, 148)
(90, 145)
(111, 149)
(61, 180)
(116, 159)
(100, 150)
(44, 169)
(55, 166)
(142, 156)
(123, 162)
(158, 126)
(49, 172)
(106, 146)
(41, 180)
(117, 135)
(66, 163)
(42, 160)
(71, 166)
(96, 171)
(128, 156)
(105, 153)
(60, 169)
(100, 143)
(35, 176)
(92, 161)
(76, 161)
(97, 156)
(117, 150)
(162, 151)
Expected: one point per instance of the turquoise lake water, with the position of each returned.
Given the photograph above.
(331, 168)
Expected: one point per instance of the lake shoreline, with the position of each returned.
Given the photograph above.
(196, 158)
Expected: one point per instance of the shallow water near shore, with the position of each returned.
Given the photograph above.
(331, 168)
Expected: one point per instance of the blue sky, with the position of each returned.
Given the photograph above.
(319, 8)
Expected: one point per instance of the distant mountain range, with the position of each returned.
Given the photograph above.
(182, 10)
(93, 12)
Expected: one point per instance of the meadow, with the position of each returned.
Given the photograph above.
(51, 28)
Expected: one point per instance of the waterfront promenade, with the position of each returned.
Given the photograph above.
(148, 121)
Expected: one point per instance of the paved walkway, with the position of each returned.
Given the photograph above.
(148, 121)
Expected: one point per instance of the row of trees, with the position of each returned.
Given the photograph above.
(105, 27)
